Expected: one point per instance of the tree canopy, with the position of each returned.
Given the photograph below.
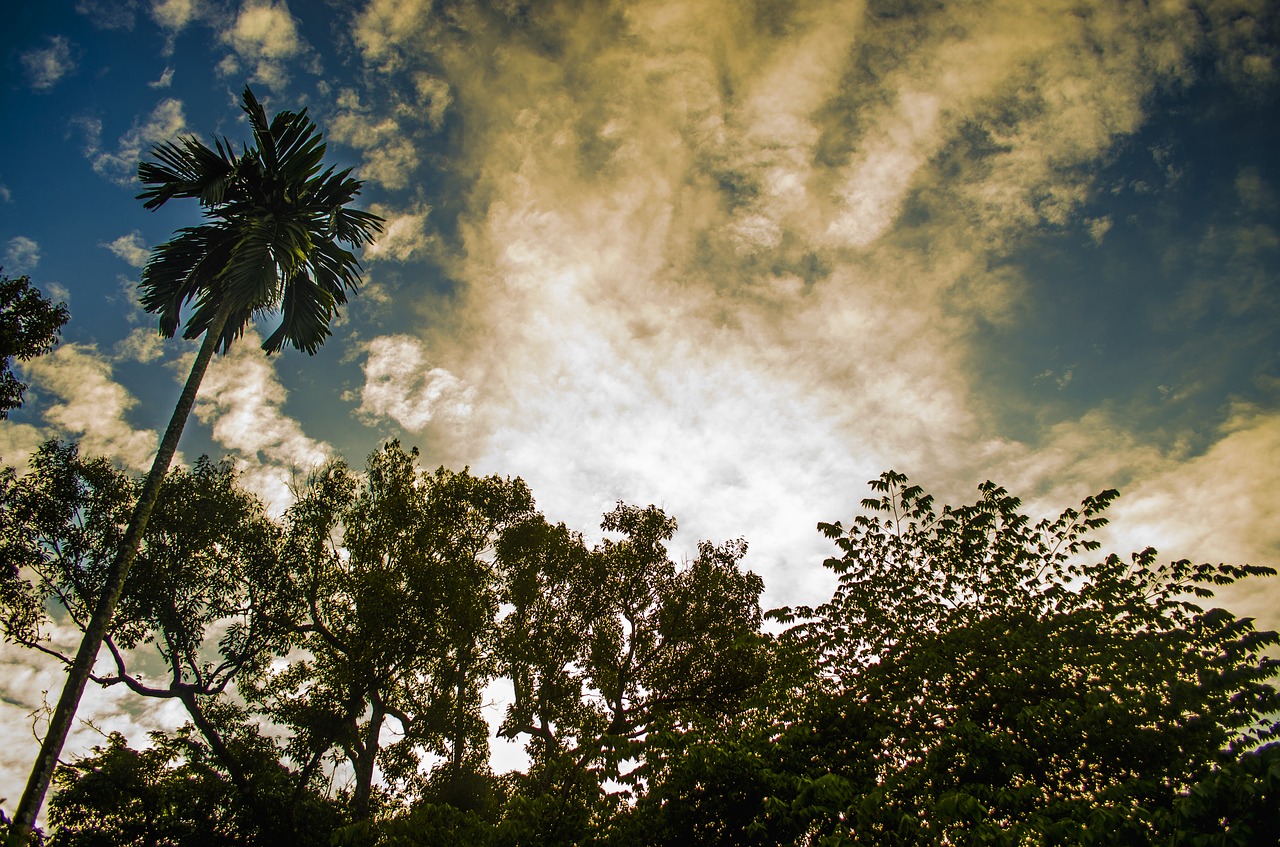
(977, 677)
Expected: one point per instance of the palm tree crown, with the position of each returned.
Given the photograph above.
(275, 220)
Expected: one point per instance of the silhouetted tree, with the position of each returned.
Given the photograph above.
(608, 649)
(401, 593)
(207, 590)
(984, 685)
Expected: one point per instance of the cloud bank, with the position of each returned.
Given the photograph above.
(738, 259)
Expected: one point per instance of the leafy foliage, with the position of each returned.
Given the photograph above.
(178, 792)
(207, 594)
(29, 326)
(401, 591)
(607, 646)
(118, 795)
(271, 241)
(973, 679)
(1003, 692)
(195, 580)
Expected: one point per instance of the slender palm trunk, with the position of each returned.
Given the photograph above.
(60, 724)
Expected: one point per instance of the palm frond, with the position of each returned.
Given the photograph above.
(305, 311)
(276, 218)
(251, 276)
(180, 269)
(187, 168)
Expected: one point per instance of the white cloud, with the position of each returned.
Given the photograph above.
(400, 385)
(404, 235)
(30, 682)
(164, 81)
(165, 123)
(44, 67)
(174, 15)
(91, 128)
(21, 255)
(142, 344)
(242, 399)
(130, 248)
(6, 196)
(264, 36)
(94, 407)
(56, 291)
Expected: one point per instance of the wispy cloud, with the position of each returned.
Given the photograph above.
(21, 254)
(110, 14)
(92, 406)
(164, 80)
(166, 122)
(242, 399)
(45, 66)
(750, 257)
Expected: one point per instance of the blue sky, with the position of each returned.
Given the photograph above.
(731, 258)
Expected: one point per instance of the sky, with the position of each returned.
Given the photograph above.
(733, 258)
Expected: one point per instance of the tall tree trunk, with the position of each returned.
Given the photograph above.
(364, 765)
(60, 724)
(270, 824)
(460, 715)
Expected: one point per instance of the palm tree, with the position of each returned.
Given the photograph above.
(274, 221)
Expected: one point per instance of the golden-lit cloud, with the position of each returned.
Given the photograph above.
(404, 236)
(735, 262)
(1217, 507)
(401, 385)
(174, 15)
(736, 259)
(263, 37)
(130, 249)
(92, 407)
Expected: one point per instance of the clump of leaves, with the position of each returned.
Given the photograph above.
(1007, 689)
